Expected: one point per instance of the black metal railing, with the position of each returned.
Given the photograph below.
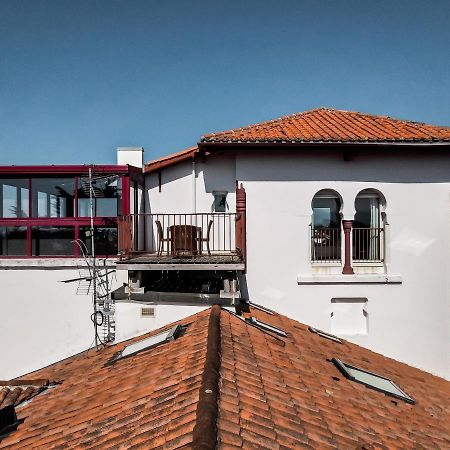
(180, 234)
(325, 245)
(368, 244)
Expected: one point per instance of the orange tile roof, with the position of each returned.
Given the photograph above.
(170, 160)
(17, 391)
(332, 125)
(273, 393)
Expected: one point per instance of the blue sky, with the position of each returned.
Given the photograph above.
(79, 78)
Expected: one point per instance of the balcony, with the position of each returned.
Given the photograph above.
(186, 241)
(367, 245)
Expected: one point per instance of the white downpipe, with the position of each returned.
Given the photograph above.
(194, 188)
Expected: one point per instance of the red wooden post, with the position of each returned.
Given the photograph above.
(241, 234)
(347, 270)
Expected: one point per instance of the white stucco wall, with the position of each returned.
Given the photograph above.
(43, 320)
(408, 321)
(130, 323)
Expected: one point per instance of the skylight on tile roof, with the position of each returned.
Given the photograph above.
(372, 380)
(265, 326)
(150, 342)
(268, 396)
(324, 334)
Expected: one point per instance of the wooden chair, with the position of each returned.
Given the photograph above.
(161, 238)
(201, 239)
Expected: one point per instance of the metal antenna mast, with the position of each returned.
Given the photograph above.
(94, 268)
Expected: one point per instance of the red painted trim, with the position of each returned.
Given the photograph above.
(347, 270)
(29, 243)
(64, 169)
(125, 196)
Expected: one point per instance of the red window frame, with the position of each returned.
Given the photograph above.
(126, 173)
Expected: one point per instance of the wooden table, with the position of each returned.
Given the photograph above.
(184, 240)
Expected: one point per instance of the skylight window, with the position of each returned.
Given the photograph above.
(372, 380)
(265, 326)
(326, 335)
(150, 342)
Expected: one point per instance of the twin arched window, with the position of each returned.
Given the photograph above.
(367, 232)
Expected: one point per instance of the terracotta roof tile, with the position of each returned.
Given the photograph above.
(332, 125)
(15, 392)
(274, 394)
(307, 402)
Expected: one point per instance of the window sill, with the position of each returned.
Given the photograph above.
(349, 279)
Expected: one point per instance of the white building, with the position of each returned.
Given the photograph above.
(307, 178)
(342, 222)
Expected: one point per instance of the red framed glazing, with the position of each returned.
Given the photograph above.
(127, 173)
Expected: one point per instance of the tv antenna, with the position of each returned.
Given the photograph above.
(94, 278)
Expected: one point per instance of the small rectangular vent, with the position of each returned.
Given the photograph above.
(147, 312)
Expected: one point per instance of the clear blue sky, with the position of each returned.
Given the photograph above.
(79, 78)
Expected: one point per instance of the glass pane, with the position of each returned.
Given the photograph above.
(107, 193)
(84, 207)
(326, 213)
(220, 203)
(13, 241)
(47, 241)
(367, 212)
(53, 197)
(105, 240)
(106, 207)
(375, 381)
(14, 198)
(145, 343)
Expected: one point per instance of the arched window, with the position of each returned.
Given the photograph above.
(326, 226)
(368, 232)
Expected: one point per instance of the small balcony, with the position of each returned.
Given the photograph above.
(367, 245)
(183, 241)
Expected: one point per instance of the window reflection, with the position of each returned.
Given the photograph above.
(105, 240)
(53, 197)
(107, 197)
(14, 198)
(13, 241)
(56, 241)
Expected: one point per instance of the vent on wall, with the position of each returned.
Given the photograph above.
(147, 312)
(349, 316)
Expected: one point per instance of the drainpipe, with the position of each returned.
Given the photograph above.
(194, 188)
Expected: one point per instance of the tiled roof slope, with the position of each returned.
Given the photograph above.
(332, 125)
(147, 401)
(170, 160)
(292, 396)
(18, 391)
(272, 396)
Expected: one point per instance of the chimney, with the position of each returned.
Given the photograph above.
(134, 156)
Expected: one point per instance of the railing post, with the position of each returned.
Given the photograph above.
(241, 233)
(347, 270)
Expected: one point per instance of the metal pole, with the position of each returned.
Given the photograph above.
(94, 269)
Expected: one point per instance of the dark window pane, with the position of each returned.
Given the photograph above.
(13, 241)
(107, 193)
(326, 213)
(47, 241)
(220, 203)
(105, 240)
(14, 198)
(367, 212)
(53, 197)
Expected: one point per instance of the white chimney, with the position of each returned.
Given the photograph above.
(134, 156)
